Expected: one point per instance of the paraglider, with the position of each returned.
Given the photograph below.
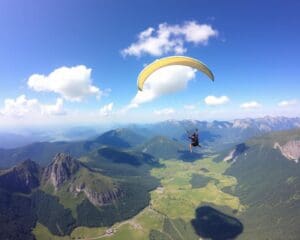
(168, 61)
(194, 137)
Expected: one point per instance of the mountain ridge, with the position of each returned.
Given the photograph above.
(268, 183)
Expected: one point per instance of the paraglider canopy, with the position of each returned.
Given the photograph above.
(168, 61)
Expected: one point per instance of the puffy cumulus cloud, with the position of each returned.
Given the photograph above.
(170, 39)
(250, 105)
(106, 109)
(72, 83)
(164, 81)
(287, 103)
(21, 107)
(164, 111)
(214, 101)
(56, 109)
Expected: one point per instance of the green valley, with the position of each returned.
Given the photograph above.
(172, 205)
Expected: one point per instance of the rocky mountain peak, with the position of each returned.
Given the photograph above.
(61, 169)
(76, 178)
(27, 165)
(21, 178)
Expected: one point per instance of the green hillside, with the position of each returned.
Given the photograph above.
(69, 193)
(269, 184)
(43, 152)
(121, 138)
(166, 148)
(128, 193)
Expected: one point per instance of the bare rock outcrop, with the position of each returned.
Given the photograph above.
(60, 170)
(237, 151)
(102, 198)
(290, 150)
(97, 198)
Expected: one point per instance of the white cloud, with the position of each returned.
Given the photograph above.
(249, 105)
(165, 111)
(287, 103)
(21, 107)
(164, 81)
(106, 109)
(189, 107)
(72, 83)
(169, 39)
(56, 109)
(213, 100)
(198, 33)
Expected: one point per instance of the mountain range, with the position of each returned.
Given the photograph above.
(104, 180)
(43, 152)
(69, 193)
(215, 136)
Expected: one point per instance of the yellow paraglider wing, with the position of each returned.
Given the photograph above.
(174, 60)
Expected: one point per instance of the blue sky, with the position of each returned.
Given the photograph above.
(251, 46)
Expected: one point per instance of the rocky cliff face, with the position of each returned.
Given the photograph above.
(290, 150)
(239, 149)
(21, 178)
(62, 168)
(62, 171)
(97, 198)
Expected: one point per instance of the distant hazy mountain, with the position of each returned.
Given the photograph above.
(43, 152)
(214, 136)
(162, 147)
(21, 137)
(166, 148)
(268, 172)
(121, 138)
(77, 133)
(219, 135)
(13, 140)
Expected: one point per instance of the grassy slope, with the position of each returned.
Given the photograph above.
(273, 195)
(177, 190)
(41, 232)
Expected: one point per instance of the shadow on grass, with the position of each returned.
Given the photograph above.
(212, 224)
